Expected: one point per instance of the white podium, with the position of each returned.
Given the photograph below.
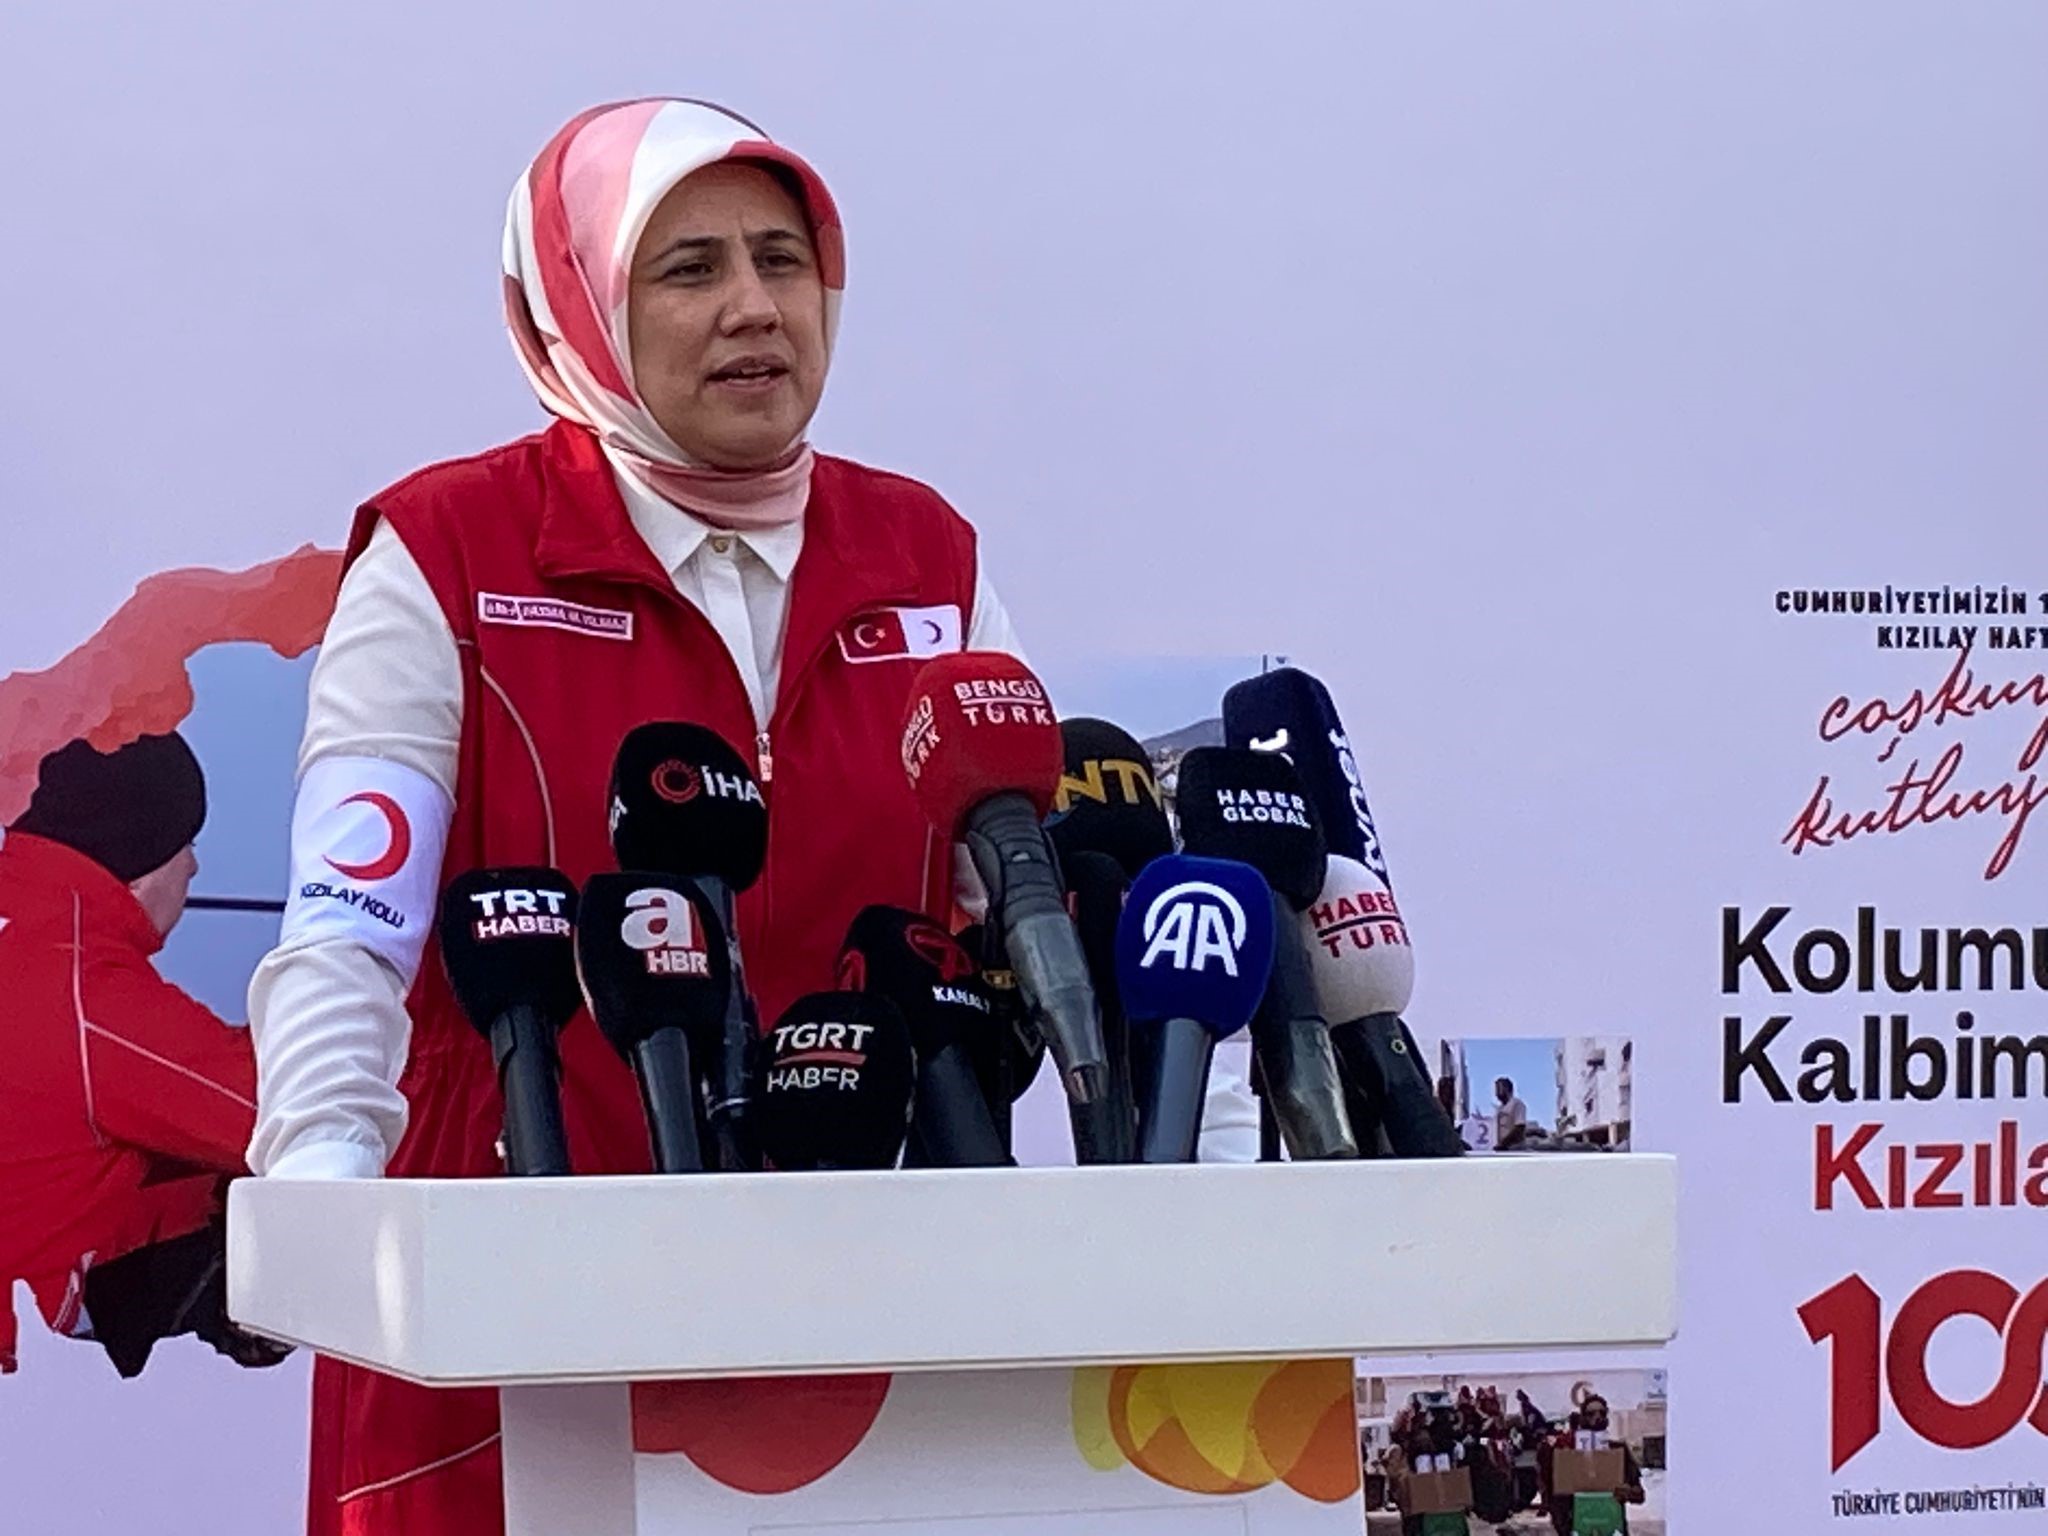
(1020, 1352)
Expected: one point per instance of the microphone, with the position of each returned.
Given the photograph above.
(1364, 975)
(1251, 807)
(1289, 712)
(834, 1087)
(908, 961)
(1020, 1048)
(1194, 953)
(508, 946)
(684, 802)
(654, 965)
(982, 753)
(1108, 800)
(1105, 1129)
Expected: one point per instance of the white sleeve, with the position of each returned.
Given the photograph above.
(377, 767)
(1230, 1112)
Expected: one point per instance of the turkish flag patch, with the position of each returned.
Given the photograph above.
(897, 634)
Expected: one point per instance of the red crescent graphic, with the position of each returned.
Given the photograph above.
(393, 858)
(938, 630)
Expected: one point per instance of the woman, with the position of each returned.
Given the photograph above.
(670, 548)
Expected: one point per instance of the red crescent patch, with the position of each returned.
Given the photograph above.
(397, 850)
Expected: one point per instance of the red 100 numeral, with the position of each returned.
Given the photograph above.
(1850, 1317)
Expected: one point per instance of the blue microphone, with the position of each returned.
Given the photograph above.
(1289, 712)
(1194, 951)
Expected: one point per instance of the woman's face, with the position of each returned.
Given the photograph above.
(727, 317)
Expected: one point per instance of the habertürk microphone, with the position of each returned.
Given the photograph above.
(834, 1086)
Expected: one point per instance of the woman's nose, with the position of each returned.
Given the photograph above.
(750, 306)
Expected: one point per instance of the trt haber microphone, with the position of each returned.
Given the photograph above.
(1105, 1128)
(653, 963)
(508, 945)
(1290, 712)
(910, 962)
(982, 752)
(684, 801)
(1251, 807)
(1364, 975)
(1108, 800)
(834, 1084)
(1194, 953)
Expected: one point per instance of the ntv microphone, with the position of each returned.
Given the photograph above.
(1250, 807)
(684, 802)
(834, 1086)
(1194, 954)
(982, 753)
(508, 946)
(915, 966)
(654, 967)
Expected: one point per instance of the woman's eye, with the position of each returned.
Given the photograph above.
(690, 269)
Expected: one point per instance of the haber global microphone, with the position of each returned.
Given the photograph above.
(1251, 807)
(508, 944)
(982, 752)
(910, 962)
(655, 969)
(834, 1086)
(1290, 712)
(685, 802)
(1194, 953)
(1108, 800)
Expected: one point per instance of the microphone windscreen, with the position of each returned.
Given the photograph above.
(978, 725)
(834, 1086)
(507, 937)
(1358, 945)
(1196, 942)
(1235, 803)
(1108, 800)
(650, 952)
(1290, 712)
(913, 963)
(683, 801)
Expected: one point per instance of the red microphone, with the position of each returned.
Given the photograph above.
(983, 753)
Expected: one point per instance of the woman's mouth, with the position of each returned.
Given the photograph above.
(750, 375)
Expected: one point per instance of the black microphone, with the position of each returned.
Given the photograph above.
(508, 946)
(916, 966)
(834, 1085)
(683, 801)
(1108, 800)
(1105, 1129)
(1290, 712)
(654, 965)
(1020, 1048)
(1250, 806)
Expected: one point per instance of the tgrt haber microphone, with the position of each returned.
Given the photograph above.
(508, 943)
(982, 752)
(834, 1085)
(910, 962)
(1194, 953)
(1250, 806)
(652, 959)
(1289, 712)
(1108, 800)
(1105, 1129)
(1365, 973)
(683, 801)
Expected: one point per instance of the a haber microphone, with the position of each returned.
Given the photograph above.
(1365, 974)
(1194, 953)
(834, 1086)
(1290, 712)
(917, 967)
(508, 945)
(654, 967)
(982, 752)
(683, 801)
(1108, 800)
(1105, 1128)
(1251, 807)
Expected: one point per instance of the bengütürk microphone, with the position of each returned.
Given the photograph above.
(982, 752)
(834, 1086)
(1289, 712)
(1250, 806)
(654, 967)
(685, 802)
(1105, 1129)
(1108, 800)
(1365, 973)
(1194, 953)
(508, 945)
(916, 966)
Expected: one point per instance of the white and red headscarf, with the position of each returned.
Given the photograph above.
(574, 222)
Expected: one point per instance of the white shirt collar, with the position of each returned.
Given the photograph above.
(675, 535)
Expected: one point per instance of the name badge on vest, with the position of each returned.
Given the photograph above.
(898, 634)
(554, 613)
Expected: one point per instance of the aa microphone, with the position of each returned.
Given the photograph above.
(1105, 1128)
(1108, 800)
(508, 946)
(917, 967)
(1251, 807)
(1289, 712)
(654, 965)
(834, 1086)
(982, 752)
(1194, 953)
(683, 801)
(1364, 975)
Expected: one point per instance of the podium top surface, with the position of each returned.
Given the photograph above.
(454, 1282)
